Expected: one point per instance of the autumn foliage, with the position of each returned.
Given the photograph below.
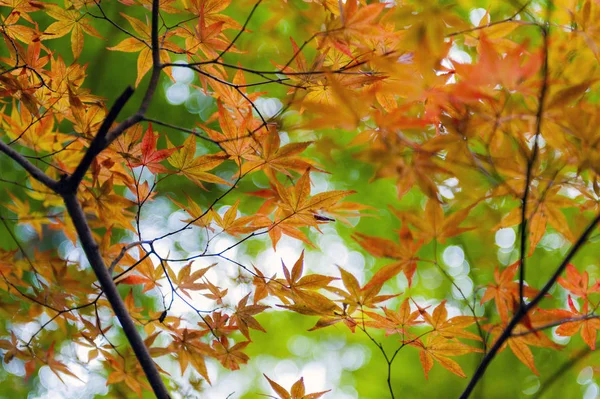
(480, 126)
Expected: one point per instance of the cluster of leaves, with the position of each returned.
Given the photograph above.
(508, 139)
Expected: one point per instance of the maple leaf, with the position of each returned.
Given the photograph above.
(230, 357)
(336, 100)
(434, 224)
(141, 44)
(449, 328)
(266, 286)
(31, 56)
(235, 138)
(23, 8)
(87, 119)
(69, 21)
(244, 316)
(440, 349)
(57, 366)
(295, 208)
(197, 216)
(190, 350)
(505, 292)
(21, 88)
(110, 207)
(150, 156)
(235, 98)
(205, 38)
(302, 289)
(186, 280)
(24, 214)
(297, 204)
(354, 24)
(298, 390)
(520, 341)
(451, 134)
(578, 283)
(231, 224)
(396, 322)
(216, 293)
(511, 71)
(367, 296)
(271, 157)
(12, 349)
(122, 371)
(195, 168)
(542, 209)
(11, 30)
(404, 252)
(135, 279)
(588, 325)
(307, 79)
(218, 324)
(210, 11)
(164, 5)
(418, 168)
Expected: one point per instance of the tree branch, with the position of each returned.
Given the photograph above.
(530, 164)
(33, 170)
(114, 298)
(105, 137)
(68, 186)
(98, 144)
(522, 311)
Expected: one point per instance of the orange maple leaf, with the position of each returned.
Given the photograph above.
(69, 20)
(150, 156)
(298, 391)
(505, 291)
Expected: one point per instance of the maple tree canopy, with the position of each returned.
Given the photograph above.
(299, 199)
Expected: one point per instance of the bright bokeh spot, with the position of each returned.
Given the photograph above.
(505, 238)
(178, 93)
(453, 256)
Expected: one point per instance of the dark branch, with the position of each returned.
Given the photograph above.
(522, 311)
(99, 143)
(112, 294)
(33, 170)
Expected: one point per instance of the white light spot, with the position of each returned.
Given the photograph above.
(466, 286)
(284, 138)
(319, 184)
(268, 107)
(591, 392)
(446, 192)
(315, 377)
(182, 75)
(353, 357)
(585, 376)
(552, 241)
(430, 278)
(476, 15)
(15, 366)
(299, 345)
(460, 56)
(198, 102)
(178, 93)
(453, 256)
(286, 367)
(505, 238)
(533, 385)
(559, 339)
(570, 192)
